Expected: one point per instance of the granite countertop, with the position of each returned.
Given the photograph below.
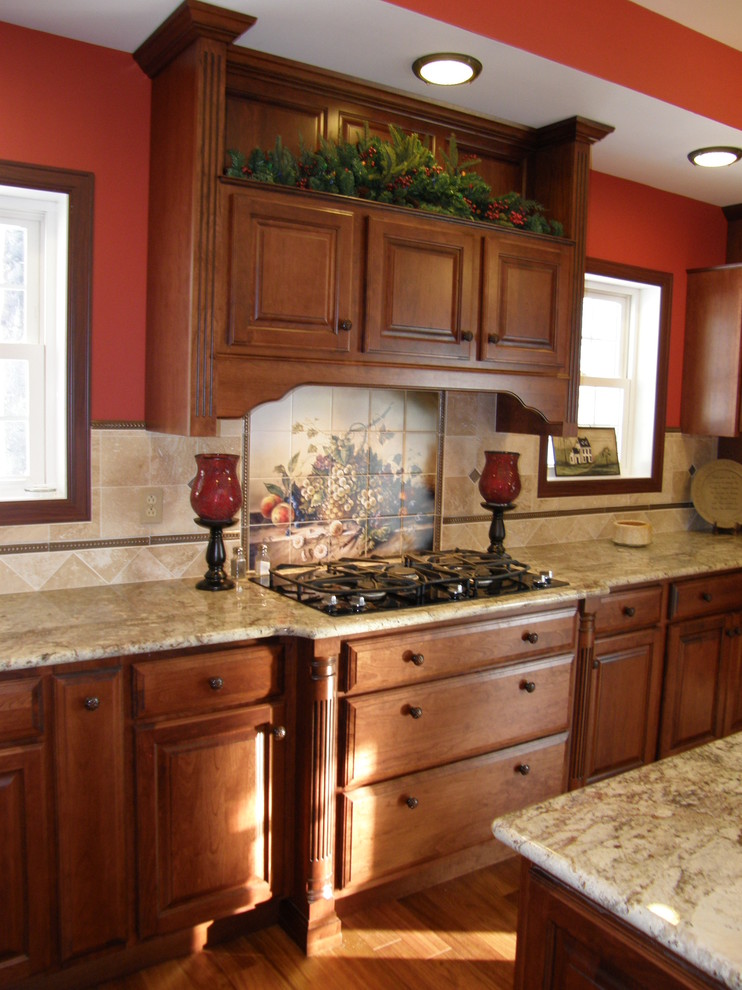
(660, 847)
(51, 627)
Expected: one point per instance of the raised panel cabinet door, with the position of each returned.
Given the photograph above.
(24, 865)
(624, 703)
(289, 274)
(89, 762)
(526, 303)
(422, 280)
(692, 701)
(210, 841)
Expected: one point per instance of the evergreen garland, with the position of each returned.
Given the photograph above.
(402, 171)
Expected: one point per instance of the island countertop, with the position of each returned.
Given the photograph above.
(54, 627)
(659, 847)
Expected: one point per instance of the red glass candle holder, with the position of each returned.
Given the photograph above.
(499, 485)
(216, 497)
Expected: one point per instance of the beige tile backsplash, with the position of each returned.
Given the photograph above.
(116, 547)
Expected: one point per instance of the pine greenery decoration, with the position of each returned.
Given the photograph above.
(402, 171)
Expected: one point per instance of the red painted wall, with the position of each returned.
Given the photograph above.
(85, 107)
(638, 225)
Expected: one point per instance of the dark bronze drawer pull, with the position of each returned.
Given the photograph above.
(412, 803)
(415, 711)
(529, 686)
(530, 637)
(278, 732)
(91, 703)
(707, 596)
(524, 769)
(418, 659)
(630, 611)
(216, 683)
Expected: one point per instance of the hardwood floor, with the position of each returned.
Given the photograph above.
(459, 934)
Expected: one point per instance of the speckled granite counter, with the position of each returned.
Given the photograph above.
(83, 623)
(660, 847)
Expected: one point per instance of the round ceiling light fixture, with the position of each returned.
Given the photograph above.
(715, 157)
(446, 69)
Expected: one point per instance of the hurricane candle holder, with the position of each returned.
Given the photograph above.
(216, 498)
(499, 485)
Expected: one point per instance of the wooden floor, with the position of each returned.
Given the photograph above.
(460, 934)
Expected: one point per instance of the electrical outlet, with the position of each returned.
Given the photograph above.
(150, 506)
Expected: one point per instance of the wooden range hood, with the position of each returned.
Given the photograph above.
(233, 317)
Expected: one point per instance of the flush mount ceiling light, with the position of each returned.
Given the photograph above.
(446, 69)
(715, 157)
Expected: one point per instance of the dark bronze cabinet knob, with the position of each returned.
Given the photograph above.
(216, 683)
(524, 769)
(418, 659)
(630, 611)
(528, 686)
(278, 732)
(415, 711)
(91, 703)
(493, 338)
(412, 803)
(346, 325)
(706, 596)
(530, 637)
(467, 335)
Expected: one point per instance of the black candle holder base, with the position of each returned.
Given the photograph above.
(497, 527)
(215, 579)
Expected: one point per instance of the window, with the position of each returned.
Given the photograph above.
(45, 268)
(623, 376)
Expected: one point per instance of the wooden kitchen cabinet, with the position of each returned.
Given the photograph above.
(702, 695)
(441, 729)
(711, 403)
(290, 268)
(212, 785)
(526, 303)
(620, 683)
(91, 811)
(422, 279)
(25, 904)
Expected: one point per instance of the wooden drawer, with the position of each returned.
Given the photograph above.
(410, 729)
(402, 823)
(706, 596)
(631, 608)
(207, 681)
(21, 711)
(386, 661)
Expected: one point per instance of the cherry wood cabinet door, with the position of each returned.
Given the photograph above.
(210, 841)
(289, 273)
(526, 287)
(693, 696)
(24, 865)
(421, 292)
(89, 752)
(624, 698)
(733, 676)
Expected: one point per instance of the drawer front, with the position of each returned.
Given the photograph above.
(207, 681)
(706, 596)
(632, 608)
(411, 820)
(21, 713)
(410, 729)
(386, 661)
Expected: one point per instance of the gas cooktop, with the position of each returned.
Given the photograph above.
(372, 584)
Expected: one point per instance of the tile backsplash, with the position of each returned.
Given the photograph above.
(352, 470)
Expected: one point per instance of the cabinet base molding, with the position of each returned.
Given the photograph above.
(314, 927)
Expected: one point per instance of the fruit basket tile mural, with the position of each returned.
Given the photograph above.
(340, 472)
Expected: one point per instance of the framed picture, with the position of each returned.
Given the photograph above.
(591, 454)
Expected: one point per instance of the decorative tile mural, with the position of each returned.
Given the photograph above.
(343, 472)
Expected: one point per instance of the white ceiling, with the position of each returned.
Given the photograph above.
(377, 41)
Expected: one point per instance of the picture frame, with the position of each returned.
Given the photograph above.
(593, 453)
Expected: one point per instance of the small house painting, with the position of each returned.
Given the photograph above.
(592, 453)
(581, 452)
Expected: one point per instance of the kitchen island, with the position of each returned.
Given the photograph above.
(635, 881)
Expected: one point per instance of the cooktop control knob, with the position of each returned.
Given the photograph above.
(543, 580)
